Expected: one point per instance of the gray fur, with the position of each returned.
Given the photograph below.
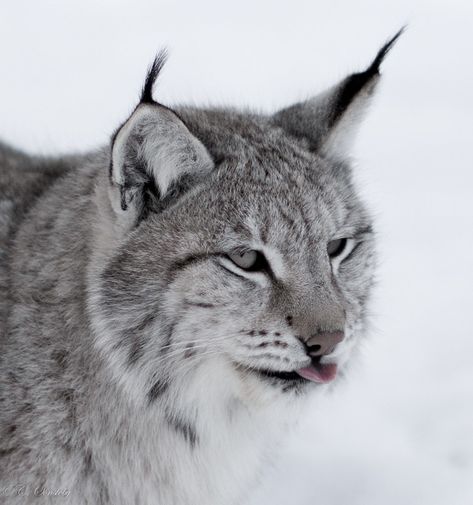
(127, 341)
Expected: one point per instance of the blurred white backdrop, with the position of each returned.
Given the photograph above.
(400, 431)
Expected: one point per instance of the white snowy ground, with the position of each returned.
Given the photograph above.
(400, 431)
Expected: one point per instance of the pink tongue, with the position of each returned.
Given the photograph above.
(319, 373)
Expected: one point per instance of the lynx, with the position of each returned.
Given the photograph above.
(168, 302)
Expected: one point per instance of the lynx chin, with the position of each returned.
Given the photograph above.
(169, 301)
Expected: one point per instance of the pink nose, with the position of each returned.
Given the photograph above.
(324, 343)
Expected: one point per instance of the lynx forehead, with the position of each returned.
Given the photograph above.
(172, 298)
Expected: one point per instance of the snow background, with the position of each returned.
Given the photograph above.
(400, 431)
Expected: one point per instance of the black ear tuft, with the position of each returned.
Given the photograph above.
(153, 73)
(356, 82)
(329, 120)
(374, 67)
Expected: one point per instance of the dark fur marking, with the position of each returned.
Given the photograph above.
(365, 230)
(290, 387)
(60, 357)
(137, 345)
(277, 334)
(251, 333)
(88, 463)
(168, 339)
(189, 351)
(66, 395)
(11, 429)
(201, 305)
(123, 204)
(184, 428)
(280, 343)
(289, 320)
(27, 408)
(136, 352)
(7, 452)
(158, 388)
(263, 332)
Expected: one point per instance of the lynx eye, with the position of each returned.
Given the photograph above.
(336, 247)
(249, 260)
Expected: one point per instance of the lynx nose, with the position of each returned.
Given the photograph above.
(324, 343)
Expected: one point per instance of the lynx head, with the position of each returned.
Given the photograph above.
(242, 258)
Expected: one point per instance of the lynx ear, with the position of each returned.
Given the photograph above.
(154, 157)
(330, 120)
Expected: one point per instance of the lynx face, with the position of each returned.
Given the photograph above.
(264, 288)
(245, 258)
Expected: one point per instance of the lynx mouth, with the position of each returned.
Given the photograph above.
(282, 376)
(317, 372)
